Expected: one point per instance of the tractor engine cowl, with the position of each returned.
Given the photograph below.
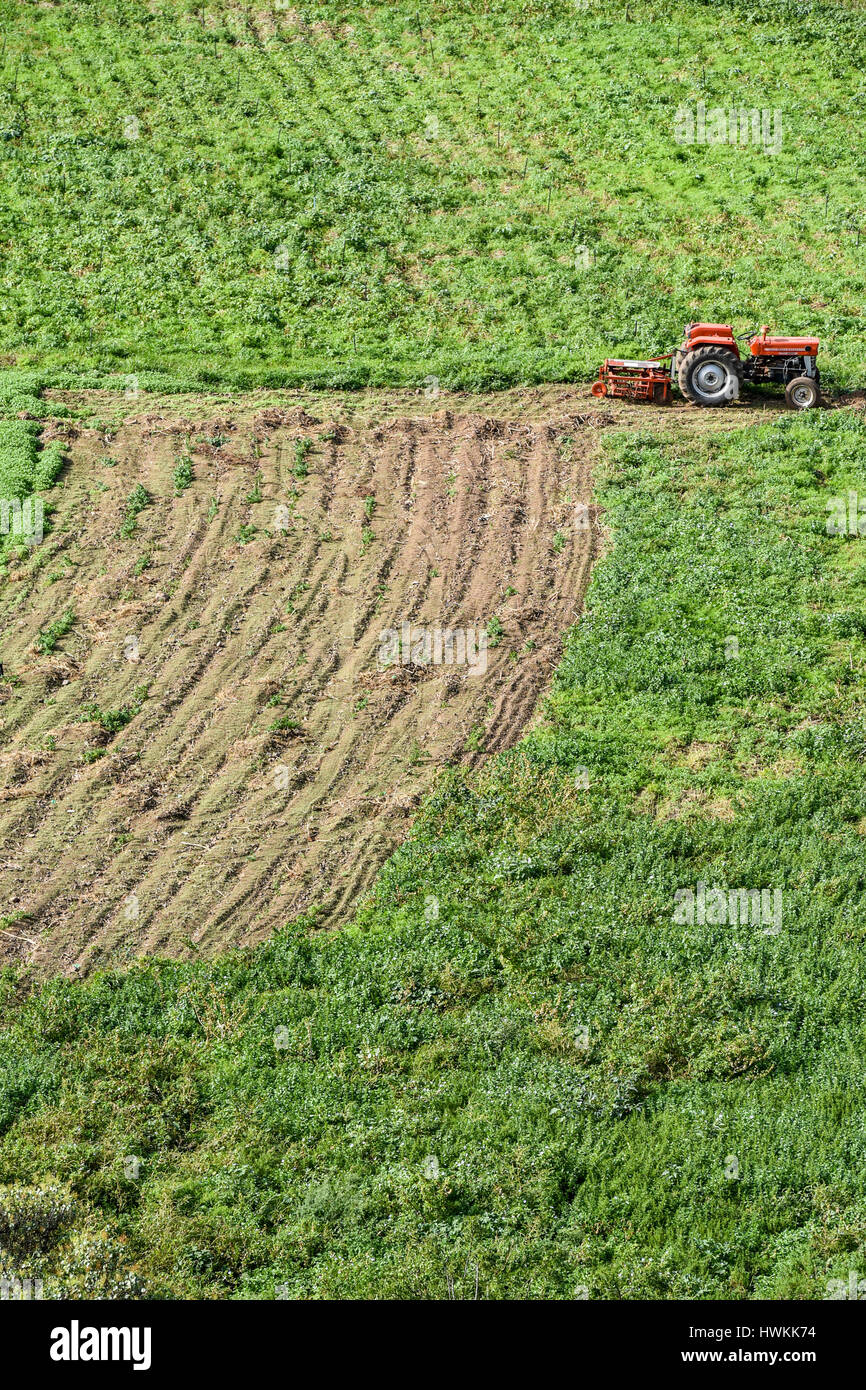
(763, 346)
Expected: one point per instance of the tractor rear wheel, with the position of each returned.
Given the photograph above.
(710, 376)
(802, 392)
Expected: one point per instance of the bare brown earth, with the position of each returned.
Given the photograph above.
(200, 824)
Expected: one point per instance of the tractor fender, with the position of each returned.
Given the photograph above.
(711, 340)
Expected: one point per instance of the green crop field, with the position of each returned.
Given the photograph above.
(560, 1050)
(487, 193)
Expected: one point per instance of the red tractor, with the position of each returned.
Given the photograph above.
(709, 370)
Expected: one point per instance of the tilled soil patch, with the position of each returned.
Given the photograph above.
(224, 738)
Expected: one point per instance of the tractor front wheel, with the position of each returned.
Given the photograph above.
(802, 393)
(710, 376)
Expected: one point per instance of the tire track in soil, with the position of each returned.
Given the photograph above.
(201, 824)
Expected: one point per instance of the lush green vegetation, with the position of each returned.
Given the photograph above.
(24, 467)
(488, 193)
(515, 1066)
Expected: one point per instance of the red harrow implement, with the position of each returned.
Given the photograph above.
(648, 380)
(709, 370)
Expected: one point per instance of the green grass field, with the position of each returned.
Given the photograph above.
(520, 1069)
(516, 1066)
(488, 193)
